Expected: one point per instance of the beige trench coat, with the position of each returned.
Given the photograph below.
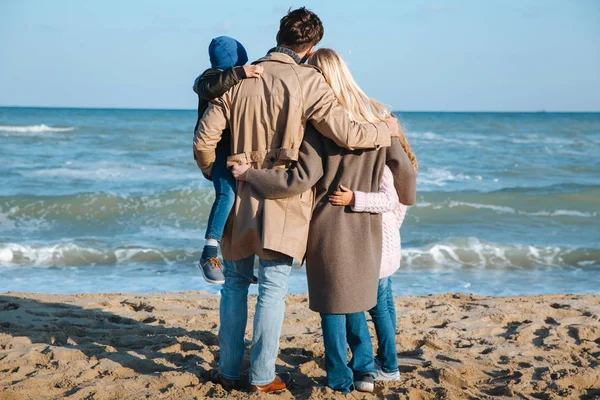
(267, 117)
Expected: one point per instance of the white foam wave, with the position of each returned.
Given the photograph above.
(510, 210)
(476, 253)
(70, 254)
(113, 171)
(499, 209)
(450, 254)
(14, 254)
(432, 137)
(441, 177)
(33, 129)
(10, 220)
(568, 213)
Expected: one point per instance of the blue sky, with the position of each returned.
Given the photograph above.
(494, 55)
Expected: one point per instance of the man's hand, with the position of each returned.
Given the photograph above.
(253, 71)
(394, 126)
(239, 171)
(343, 197)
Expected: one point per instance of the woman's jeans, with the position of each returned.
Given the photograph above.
(339, 332)
(224, 184)
(268, 317)
(384, 319)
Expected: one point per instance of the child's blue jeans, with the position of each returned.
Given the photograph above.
(224, 184)
(384, 319)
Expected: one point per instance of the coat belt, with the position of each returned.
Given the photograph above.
(260, 156)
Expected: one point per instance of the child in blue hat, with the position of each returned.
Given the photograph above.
(227, 58)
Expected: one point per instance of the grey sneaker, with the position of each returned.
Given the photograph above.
(212, 270)
(364, 383)
(385, 376)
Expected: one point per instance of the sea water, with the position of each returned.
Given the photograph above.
(107, 200)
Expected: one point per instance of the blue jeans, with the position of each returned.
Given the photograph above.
(268, 318)
(384, 319)
(224, 184)
(339, 332)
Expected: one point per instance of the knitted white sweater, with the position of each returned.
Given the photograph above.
(386, 202)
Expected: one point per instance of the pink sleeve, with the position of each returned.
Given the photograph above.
(386, 199)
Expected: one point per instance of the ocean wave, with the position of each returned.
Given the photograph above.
(450, 254)
(440, 177)
(476, 253)
(33, 129)
(70, 254)
(432, 137)
(41, 212)
(182, 209)
(499, 209)
(113, 172)
(473, 139)
(550, 189)
(510, 210)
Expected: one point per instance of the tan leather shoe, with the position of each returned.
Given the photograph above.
(281, 382)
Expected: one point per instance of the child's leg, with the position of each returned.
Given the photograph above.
(224, 185)
(339, 375)
(385, 328)
(390, 304)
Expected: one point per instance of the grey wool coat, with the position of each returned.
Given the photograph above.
(344, 248)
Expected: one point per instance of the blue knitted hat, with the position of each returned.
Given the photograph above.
(226, 52)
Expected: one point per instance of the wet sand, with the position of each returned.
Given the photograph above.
(453, 346)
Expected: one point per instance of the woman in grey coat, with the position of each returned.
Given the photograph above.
(344, 248)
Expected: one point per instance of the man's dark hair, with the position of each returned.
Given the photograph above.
(299, 30)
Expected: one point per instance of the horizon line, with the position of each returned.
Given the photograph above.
(394, 111)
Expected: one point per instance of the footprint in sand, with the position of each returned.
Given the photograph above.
(9, 307)
(138, 306)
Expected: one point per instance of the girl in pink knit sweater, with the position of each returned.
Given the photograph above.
(386, 202)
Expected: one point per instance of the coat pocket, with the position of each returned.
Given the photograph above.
(286, 223)
(308, 198)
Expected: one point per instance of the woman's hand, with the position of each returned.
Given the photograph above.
(239, 171)
(253, 71)
(343, 197)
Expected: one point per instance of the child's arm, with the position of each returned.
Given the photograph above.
(214, 83)
(384, 200)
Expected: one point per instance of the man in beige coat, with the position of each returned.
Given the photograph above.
(267, 118)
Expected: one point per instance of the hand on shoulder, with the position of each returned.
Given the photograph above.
(253, 71)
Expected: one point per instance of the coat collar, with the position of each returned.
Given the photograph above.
(282, 55)
(285, 50)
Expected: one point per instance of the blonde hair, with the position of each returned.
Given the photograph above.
(360, 107)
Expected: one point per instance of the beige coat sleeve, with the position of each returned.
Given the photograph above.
(323, 110)
(210, 130)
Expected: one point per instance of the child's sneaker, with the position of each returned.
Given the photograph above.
(387, 376)
(212, 270)
(364, 383)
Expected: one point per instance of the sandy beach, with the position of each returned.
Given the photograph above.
(453, 346)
